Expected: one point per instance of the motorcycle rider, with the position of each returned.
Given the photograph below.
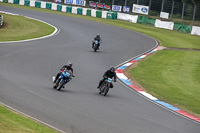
(108, 74)
(97, 38)
(65, 67)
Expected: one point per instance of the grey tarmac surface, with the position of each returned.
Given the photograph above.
(26, 70)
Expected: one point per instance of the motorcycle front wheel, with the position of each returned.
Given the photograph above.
(106, 91)
(61, 85)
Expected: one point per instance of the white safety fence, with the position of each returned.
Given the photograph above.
(21, 2)
(127, 17)
(43, 4)
(104, 14)
(164, 24)
(10, 1)
(195, 30)
(85, 11)
(64, 8)
(32, 3)
(74, 9)
(54, 6)
(93, 12)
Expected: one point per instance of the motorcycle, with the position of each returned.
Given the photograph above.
(64, 78)
(105, 86)
(96, 45)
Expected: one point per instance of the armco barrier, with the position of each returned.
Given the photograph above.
(194, 30)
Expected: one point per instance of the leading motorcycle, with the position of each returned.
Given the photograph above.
(64, 78)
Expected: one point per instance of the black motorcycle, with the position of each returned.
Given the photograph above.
(96, 45)
(105, 86)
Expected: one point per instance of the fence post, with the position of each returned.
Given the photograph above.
(183, 11)
(172, 11)
(194, 12)
(149, 7)
(162, 5)
(113, 1)
(125, 2)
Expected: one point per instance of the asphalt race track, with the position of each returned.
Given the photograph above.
(26, 70)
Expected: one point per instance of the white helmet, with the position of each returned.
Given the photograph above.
(69, 63)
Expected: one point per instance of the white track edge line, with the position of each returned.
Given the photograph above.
(136, 92)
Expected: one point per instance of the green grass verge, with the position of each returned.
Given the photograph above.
(11, 122)
(166, 37)
(17, 28)
(172, 76)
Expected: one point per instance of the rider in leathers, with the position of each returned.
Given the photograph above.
(108, 74)
(98, 38)
(65, 67)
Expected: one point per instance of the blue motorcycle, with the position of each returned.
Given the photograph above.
(64, 78)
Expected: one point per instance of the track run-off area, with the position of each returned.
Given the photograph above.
(26, 69)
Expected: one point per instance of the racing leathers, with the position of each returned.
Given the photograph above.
(65, 67)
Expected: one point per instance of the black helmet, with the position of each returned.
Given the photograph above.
(112, 68)
(69, 63)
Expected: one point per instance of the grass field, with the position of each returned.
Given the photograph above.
(12, 122)
(172, 76)
(17, 28)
